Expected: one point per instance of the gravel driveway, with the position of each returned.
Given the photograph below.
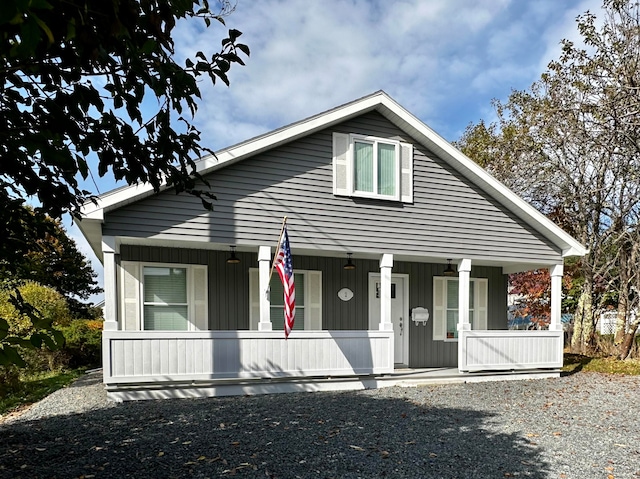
(581, 426)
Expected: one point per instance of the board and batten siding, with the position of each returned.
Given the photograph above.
(229, 294)
(450, 217)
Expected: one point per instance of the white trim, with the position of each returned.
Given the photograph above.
(309, 322)
(384, 104)
(191, 300)
(407, 323)
(374, 141)
(476, 305)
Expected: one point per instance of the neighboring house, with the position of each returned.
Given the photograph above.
(366, 179)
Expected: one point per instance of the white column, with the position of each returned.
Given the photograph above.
(386, 265)
(264, 260)
(555, 323)
(110, 284)
(464, 274)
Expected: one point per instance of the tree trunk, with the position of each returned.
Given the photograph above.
(627, 343)
(582, 337)
(623, 297)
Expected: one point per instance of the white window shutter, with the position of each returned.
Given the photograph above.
(406, 172)
(254, 298)
(439, 312)
(199, 307)
(130, 301)
(481, 300)
(314, 300)
(341, 164)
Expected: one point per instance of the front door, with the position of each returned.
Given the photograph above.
(399, 311)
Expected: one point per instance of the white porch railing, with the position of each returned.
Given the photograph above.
(509, 350)
(154, 356)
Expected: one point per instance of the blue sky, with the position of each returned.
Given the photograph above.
(443, 60)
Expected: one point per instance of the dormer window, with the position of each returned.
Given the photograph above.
(371, 167)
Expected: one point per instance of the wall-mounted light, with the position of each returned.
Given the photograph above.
(349, 265)
(233, 259)
(449, 271)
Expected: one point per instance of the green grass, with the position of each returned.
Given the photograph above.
(574, 363)
(35, 387)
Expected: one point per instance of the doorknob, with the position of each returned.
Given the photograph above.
(400, 325)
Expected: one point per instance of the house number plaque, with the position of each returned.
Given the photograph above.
(345, 294)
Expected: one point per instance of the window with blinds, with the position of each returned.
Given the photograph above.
(372, 167)
(277, 302)
(165, 304)
(375, 168)
(452, 306)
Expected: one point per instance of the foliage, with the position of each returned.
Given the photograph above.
(28, 316)
(83, 343)
(53, 259)
(50, 304)
(533, 293)
(74, 75)
(34, 387)
(570, 145)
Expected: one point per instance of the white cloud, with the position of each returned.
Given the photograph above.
(444, 60)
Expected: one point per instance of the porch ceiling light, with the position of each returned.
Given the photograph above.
(233, 259)
(449, 271)
(349, 265)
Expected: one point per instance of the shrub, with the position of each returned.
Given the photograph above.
(9, 379)
(83, 343)
(51, 305)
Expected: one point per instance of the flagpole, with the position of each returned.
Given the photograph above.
(273, 262)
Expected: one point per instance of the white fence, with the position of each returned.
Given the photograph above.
(149, 356)
(510, 350)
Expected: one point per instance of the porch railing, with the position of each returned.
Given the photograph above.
(509, 350)
(154, 356)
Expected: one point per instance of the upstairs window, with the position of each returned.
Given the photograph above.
(371, 167)
(375, 168)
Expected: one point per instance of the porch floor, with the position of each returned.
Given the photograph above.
(402, 377)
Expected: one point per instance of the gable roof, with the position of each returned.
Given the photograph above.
(93, 213)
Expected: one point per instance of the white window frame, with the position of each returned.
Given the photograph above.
(308, 324)
(477, 301)
(191, 313)
(343, 150)
(351, 166)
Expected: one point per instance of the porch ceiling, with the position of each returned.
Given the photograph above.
(508, 266)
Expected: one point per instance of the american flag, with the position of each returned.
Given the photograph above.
(284, 265)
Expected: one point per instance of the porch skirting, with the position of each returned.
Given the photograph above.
(256, 386)
(170, 364)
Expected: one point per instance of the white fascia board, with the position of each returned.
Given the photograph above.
(387, 106)
(129, 194)
(471, 170)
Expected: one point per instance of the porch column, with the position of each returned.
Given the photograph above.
(464, 273)
(555, 323)
(386, 264)
(110, 284)
(264, 262)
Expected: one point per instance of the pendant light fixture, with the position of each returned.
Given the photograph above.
(350, 265)
(449, 271)
(233, 259)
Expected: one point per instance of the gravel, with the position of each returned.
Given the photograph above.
(581, 426)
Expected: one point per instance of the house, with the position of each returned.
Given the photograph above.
(432, 237)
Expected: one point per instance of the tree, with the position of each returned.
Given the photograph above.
(54, 260)
(73, 77)
(576, 143)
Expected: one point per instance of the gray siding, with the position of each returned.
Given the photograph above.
(229, 294)
(449, 217)
(228, 283)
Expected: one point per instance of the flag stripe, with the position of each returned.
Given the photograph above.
(284, 266)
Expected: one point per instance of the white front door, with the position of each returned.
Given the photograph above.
(399, 312)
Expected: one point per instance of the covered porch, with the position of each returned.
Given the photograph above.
(143, 364)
